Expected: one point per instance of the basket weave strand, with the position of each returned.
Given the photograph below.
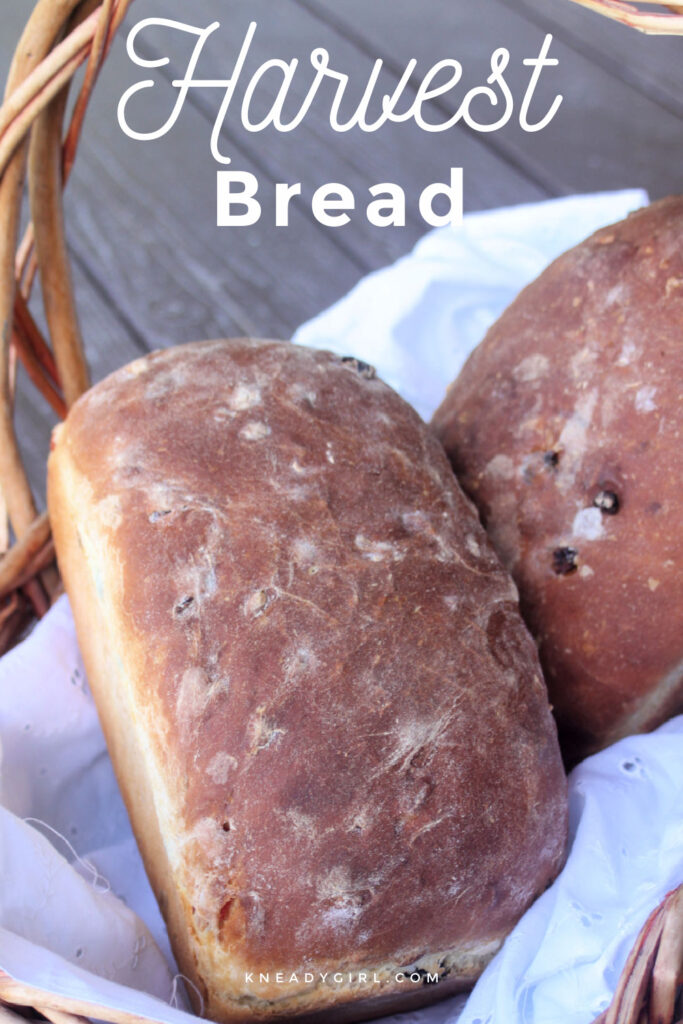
(60, 37)
(631, 13)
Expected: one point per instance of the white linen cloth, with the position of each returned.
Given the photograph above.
(76, 913)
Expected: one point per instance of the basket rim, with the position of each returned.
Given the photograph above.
(630, 13)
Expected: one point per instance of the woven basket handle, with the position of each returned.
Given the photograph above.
(60, 36)
(635, 14)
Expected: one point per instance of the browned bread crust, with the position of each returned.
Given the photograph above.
(565, 428)
(327, 717)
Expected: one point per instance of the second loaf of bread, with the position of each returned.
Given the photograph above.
(565, 427)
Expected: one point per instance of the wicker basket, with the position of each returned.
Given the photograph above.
(62, 35)
(639, 14)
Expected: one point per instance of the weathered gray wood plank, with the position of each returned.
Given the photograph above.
(608, 134)
(139, 219)
(151, 269)
(314, 153)
(651, 64)
(145, 214)
(143, 219)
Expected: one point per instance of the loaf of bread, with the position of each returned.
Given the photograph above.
(566, 429)
(326, 715)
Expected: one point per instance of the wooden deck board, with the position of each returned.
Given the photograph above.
(151, 268)
(651, 64)
(608, 133)
(315, 153)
